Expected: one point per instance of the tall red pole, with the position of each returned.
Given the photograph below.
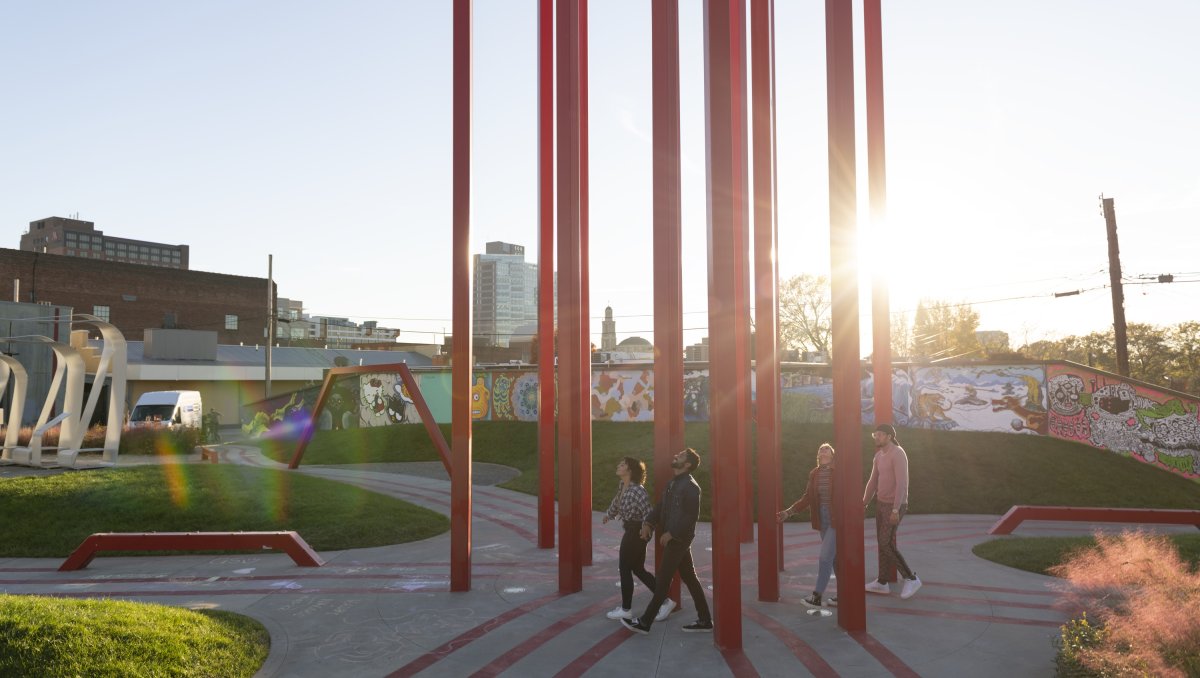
(585, 419)
(722, 101)
(881, 326)
(461, 353)
(766, 320)
(741, 261)
(668, 252)
(847, 406)
(545, 355)
(570, 564)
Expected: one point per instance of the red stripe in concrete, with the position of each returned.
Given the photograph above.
(991, 619)
(594, 654)
(506, 660)
(803, 651)
(446, 649)
(739, 663)
(883, 655)
(997, 589)
(409, 576)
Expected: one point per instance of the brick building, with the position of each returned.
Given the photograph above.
(135, 297)
(78, 238)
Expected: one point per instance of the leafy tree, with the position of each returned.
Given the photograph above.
(1184, 369)
(804, 303)
(942, 331)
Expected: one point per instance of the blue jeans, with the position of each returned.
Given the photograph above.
(828, 557)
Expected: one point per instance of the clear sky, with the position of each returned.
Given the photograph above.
(320, 132)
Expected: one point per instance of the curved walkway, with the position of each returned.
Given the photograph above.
(387, 611)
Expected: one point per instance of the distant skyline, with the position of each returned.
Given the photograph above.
(320, 133)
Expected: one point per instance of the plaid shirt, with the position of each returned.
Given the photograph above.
(631, 503)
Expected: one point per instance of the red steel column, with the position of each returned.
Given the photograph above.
(881, 329)
(668, 252)
(461, 353)
(766, 320)
(741, 262)
(570, 566)
(847, 406)
(545, 355)
(722, 101)
(585, 419)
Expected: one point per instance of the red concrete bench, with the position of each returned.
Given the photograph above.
(1018, 514)
(289, 542)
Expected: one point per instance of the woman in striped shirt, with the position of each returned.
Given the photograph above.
(819, 497)
(631, 504)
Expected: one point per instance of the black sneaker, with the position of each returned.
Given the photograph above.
(697, 627)
(813, 601)
(637, 626)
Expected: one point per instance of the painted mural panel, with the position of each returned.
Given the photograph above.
(623, 395)
(514, 396)
(806, 398)
(286, 414)
(1104, 411)
(384, 400)
(1006, 398)
(695, 395)
(435, 388)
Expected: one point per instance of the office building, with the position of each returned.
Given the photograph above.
(505, 293)
(76, 238)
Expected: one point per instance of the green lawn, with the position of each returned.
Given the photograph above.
(1039, 554)
(117, 639)
(49, 516)
(951, 472)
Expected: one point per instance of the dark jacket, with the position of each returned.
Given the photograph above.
(812, 499)
(678, 509)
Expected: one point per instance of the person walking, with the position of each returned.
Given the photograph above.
(820, 498)
(631, 504)
(675, 520)
(889, 482)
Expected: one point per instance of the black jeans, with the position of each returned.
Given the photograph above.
(632, 560)
(677, 557)
(890, 559)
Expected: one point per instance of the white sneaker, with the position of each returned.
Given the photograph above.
(911, 586)
(876, 586)
(619, 612)
(665, 610)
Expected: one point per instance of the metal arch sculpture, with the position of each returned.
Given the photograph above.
(69, 377)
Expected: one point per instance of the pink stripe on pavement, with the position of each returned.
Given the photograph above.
(739, 663)
(883, 655)
(803, 651)
(594, 654)
(516, 654)
(446, 649)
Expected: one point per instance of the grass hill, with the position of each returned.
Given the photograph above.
(951, 472)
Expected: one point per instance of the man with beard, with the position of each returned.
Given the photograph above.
(889, 475)
(675, 519)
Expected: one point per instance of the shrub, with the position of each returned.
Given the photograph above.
(143, 440)
(1145, 601)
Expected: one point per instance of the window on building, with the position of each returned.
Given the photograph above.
(102, 312)
(169, 320)
(231, 322)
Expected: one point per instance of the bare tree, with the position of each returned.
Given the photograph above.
(804, 302)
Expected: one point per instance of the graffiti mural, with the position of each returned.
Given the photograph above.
(384, 400)
(977, 398)
(1103, 411)
(623, 395)
(695, 395)
(514, 396)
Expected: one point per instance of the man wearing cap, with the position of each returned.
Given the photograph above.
(889, 482)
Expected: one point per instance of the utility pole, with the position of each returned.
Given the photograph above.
(1118, 294)
(270, 323)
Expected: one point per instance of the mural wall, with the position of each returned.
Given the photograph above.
(1058, 399)
(1104, 411)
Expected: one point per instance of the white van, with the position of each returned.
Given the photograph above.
(167, 408)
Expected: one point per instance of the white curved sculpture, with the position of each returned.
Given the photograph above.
(69, 377)
(11, 366)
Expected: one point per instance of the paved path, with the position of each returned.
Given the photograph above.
(387, 611)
